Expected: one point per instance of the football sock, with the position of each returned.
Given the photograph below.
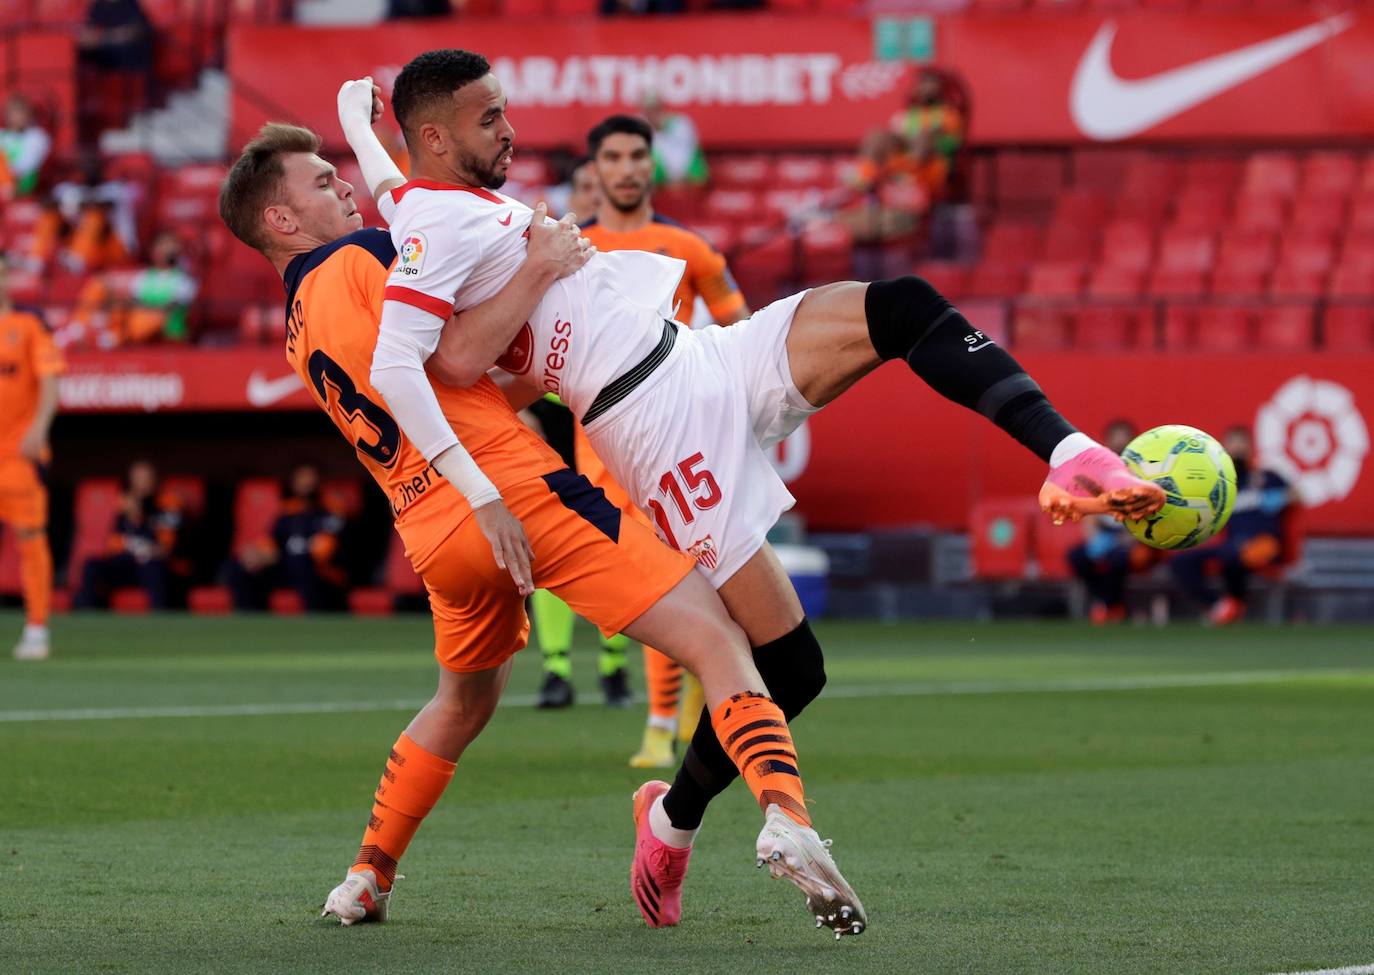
(412, 782)
(662, 827)
(754, 734)
(35, 577)
(793, 667)
(612, 657)
(553, 623)
(663, 677)
(910, 320)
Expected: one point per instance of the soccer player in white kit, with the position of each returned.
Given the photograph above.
(680, 418)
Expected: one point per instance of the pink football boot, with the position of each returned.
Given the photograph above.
(1096, 482)
(658, 869)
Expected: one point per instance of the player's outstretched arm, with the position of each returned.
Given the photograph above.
(478, 336)
(360, 106)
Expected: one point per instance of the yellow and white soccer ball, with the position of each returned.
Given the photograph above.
(1197, 475)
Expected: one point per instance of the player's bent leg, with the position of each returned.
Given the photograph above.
(418, 770)
(828, 345)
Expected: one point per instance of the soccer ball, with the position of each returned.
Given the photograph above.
(1198, 476)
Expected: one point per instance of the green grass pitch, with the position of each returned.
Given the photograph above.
(178, 794)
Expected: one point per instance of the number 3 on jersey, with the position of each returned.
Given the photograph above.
(348, 406)
(671, 485)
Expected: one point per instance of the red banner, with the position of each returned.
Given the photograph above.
(746, 82)
(891, 452)
(153, 380)
(743, 81)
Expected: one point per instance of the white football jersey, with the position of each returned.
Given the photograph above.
(457, 246)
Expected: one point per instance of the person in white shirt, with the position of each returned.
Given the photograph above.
(24, 143)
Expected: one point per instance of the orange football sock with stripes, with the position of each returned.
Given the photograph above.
(754, 734)
(412, 783)
(663, 676)
(35, 578)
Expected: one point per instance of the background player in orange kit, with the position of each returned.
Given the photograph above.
(29, 366)
(460, 525)
(621, 149)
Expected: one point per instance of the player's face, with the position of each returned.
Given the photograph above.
(1237, 444)
(586, 191)
(321, 203)
(482, 136)
(626, 168)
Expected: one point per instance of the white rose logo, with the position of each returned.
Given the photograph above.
(1311, 432)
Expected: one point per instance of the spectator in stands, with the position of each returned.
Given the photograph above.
(301, 553)
(888, 208)
(678, 158)
(24, 147)
(116, 57)
(160, 295)
(93, 244)
(931, 131)
(145, 535)
(1109, 553)
(1252, 541)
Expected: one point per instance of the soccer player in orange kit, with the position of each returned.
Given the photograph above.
(460, 525)
(29, 367)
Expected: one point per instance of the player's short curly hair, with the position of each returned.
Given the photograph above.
(255, 181)
(430, 77)
(619, 125)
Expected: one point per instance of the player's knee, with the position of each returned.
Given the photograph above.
(793, 668)
(901, 312)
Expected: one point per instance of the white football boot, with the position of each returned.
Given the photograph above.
(794, 851)
(33, 645)
(358, 899)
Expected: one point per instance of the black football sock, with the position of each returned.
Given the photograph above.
(910, 320)
(793, 668)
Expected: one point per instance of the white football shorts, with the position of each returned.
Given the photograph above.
(688, 443)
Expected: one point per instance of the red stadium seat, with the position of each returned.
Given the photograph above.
(1070, 242)
(285, 602)
(1012, 242)
(733, 204)
(1055, 279)
(1086, 209)
(256, 504)
(747, 172)
(1271, 173)
(995, 279)
(1151, 175)
(1239, 281)
(1110, 328)
(720, 235)
(528, 170)
(1178, 282)
(992, 318)
(1028, 177)
(210, 601)
(1051, 546)
(827, 252)
(189, 490)
(1286, 328)
(946, 277)
(1259, 213)
(1200, 208)
(787, 204)
(810, 171)
(1001, 529)
(1349, 328)
(1180, 321)
(1041, 327)
(400, 576)
(1351, 279)
(95, 508)
(1223, 328)
(1330, 173)
(1317, 215)
(1215, 174)
(1128, 244)
(1181, 250)
(1116, 282)
(128, 602)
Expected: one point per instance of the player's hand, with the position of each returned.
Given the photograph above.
(33, 446)
(360, 104)
(558, 246)
(508, 543)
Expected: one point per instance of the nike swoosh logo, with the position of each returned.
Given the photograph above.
(1105, 106)
(506, 222)
(975, 348)
(264, 392)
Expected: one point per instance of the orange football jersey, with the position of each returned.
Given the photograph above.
(27, 354)
(706, 273)
(334, 307)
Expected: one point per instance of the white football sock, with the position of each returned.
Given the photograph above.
(659, 721)
(662, 827)
(1070, 447)
(35, 631)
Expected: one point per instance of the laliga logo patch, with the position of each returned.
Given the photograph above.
(413, 254)
(1312, 433)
